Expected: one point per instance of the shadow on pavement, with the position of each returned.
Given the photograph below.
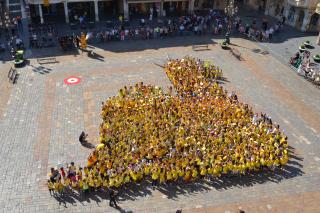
(41, 69)
(285, 34)
(155, 44)
(88, 145)
(94, 55)
(175, 189)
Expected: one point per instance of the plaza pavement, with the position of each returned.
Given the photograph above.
(43, 118)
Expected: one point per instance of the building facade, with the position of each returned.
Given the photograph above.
(41, 11)
(299, 13)
(13, 6)
(96, 10)
(303, 15)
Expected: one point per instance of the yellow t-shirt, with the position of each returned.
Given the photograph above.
(80, 182)
(127, 179)
(154, 175)
(162, 178)
(50, 185)
(111, 182)
(174, 174)
(181, 172)
(187, 176)
(146, 170)
(85, 186)
(194, 173)
(203, 171)
(91, 183)
(74, 185)
(86, 171)
(67, 182)
(169, 175)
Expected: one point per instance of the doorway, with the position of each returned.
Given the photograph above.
(314, 23)
(300, 19)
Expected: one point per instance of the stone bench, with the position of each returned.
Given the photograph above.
(47, 60)
(200, 47)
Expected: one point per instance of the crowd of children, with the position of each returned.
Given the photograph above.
(73, 178)
(194, 130)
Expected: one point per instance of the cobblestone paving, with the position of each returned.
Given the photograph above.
(304, 203)
(44, 117)
(5, 86)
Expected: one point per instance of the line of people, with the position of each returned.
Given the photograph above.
(74, 178)
(263, 33)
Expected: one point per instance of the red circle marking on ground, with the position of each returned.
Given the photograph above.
(72, 80)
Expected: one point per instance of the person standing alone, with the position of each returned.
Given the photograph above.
(112, 196)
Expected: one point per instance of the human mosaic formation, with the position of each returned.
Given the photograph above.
(200, 131)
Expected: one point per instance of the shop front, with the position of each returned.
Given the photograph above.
(108, 10)
(69, 10)
(157, 8)
(175, 8)
(44, 12)
(143, 10)
(81, 9)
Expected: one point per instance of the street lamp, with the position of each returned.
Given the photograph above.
(230, 10)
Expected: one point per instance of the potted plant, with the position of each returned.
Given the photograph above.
(316, 58)
(302, 48)
(307, 44)
(224, 45)
(18, 59)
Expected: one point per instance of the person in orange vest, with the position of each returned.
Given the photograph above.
(83, 41)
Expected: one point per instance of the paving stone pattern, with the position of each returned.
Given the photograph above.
(44, 117)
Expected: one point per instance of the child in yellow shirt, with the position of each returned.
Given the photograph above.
(51, 188)
(85, 187)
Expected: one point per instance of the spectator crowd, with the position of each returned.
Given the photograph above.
(214, 22)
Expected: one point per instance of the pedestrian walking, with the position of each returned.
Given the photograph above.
(78, 42)
(83, 137)
(283, 20)
(112, 196)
